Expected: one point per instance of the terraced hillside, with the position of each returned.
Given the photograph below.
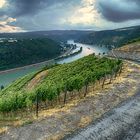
(129, 51)
(56, 82)
(55, 123)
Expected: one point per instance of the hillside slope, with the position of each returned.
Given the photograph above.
(129, 51)
(20, 52)
(115, 37)
(57, 35)
(58, 122)
(56, 81)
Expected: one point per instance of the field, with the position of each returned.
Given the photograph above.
(60, 79)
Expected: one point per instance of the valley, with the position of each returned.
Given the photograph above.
(69, 70)
(78, 113)
(77, 89)
(6, 77)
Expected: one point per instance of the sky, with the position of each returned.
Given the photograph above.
(36, 15)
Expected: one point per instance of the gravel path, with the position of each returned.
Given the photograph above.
(121, 123)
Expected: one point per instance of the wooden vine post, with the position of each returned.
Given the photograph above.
(37, 105)
(111, 77)
(86, 87)
(116, 72)
(65, 95)
(104, 81)
(120, 71)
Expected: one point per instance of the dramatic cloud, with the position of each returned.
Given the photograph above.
(33, 15)
(6, 27)
(2, 3)
(119, 10)
(32, 7)
(84, 13)
(26, 7)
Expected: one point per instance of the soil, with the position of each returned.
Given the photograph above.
(36, 80)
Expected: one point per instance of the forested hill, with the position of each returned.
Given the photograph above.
(57, 35)
(20, 52)
(117, 37)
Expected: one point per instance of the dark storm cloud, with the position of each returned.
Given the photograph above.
(39, 14)
(31, 7)
(25, 7)
(119, 10)
(1, 25)
(54, 14)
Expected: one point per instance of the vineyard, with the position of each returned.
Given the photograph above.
(60, 80)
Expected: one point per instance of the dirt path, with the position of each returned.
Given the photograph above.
(56, 123)
(121, 123)
(36, 80)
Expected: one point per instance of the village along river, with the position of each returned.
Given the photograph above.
(9, 76)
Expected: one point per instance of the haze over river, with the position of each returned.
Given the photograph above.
(7, 77)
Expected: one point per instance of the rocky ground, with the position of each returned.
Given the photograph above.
(130, 52)
(135, 56)
(56, 123)
(121, 123)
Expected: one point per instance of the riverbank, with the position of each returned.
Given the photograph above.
(69, 55)
(10, 76)
(51, 61)
(58, 122)
(25, 67)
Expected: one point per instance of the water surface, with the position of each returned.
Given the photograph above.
(7, 78)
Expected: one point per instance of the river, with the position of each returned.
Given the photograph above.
(7, 77)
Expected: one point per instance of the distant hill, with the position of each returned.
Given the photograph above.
(20, 52)
(58, 35)
(116, 37)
